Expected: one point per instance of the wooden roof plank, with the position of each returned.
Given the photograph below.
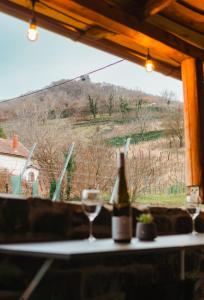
(97, 33)
(153, 7)
(196, 5)
(185, 16)
(123, 23)
(183, 32)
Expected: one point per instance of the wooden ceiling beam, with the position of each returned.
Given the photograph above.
(183, 32)
(142, 49)
(120, 22)
(101, 13)
(96, 33)
(105, 45)
(134, 56)
(153, 7)
(182, 12)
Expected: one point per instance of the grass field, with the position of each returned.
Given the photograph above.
(166, 200)
(135, 138)
(171, 200)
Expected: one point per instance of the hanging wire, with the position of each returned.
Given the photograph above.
(61, 83)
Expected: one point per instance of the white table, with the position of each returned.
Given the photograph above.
(67, 250)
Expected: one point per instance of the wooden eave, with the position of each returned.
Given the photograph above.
(172, 30)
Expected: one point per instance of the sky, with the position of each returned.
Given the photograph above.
(26, 66)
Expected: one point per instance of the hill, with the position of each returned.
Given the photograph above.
(70, 98)
(99, 118)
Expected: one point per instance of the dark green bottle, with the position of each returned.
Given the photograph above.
(122, 214)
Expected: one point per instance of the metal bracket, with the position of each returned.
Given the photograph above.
(35, 281)
(182, 264)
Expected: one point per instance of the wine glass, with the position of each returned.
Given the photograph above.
(91, 203)
(193, 205)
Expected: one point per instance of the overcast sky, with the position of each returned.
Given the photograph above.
(26, 66)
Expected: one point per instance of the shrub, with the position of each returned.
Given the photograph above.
(145, 218)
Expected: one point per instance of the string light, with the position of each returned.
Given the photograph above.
(149, 65)
(32, 33)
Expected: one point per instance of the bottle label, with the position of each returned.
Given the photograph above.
(122, 228)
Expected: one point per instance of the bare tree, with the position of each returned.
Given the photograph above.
(2, 133)
(138, 106)
(143, 118)
(140, 170)
(95, 167)
(174, 124)
(110, 104)
(124, 107)
(168, 96)
(93, 107)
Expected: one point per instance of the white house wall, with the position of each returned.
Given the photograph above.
(15, 165)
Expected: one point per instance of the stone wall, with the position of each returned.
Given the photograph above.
(36, 219)
(120, 277)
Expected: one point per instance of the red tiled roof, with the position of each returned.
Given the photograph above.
(6, 148)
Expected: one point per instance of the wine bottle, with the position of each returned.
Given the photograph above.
(122, 214)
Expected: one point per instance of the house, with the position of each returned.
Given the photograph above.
(13, 156)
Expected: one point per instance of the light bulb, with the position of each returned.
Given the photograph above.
(149, 65)
(32, 33)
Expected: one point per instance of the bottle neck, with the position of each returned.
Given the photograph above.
(123, 196)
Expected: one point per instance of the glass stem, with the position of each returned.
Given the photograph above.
(90, 229)
(193, 226)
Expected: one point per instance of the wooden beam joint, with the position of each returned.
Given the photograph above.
(153, 7)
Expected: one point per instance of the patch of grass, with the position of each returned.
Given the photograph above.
(124, 121)
(92, 122)
(166, 200)
(136, 138)
(176, 200)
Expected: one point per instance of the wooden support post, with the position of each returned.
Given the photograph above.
(192, 76)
